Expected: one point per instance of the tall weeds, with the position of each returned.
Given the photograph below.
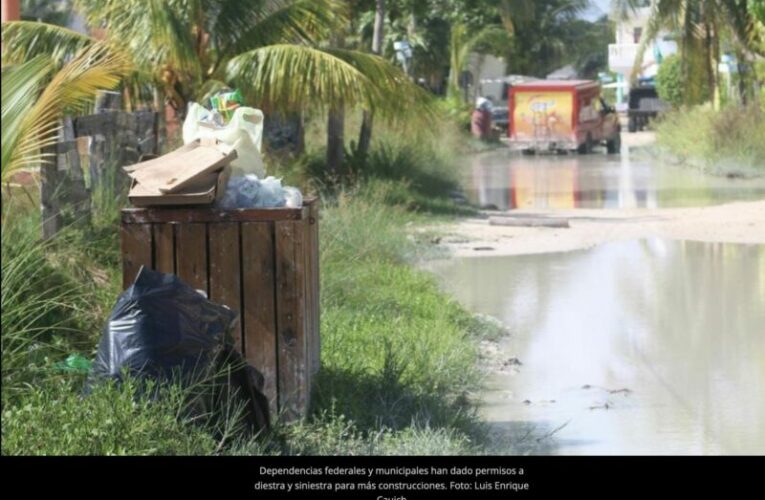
(728, 142)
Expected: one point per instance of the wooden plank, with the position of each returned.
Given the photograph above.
(290, 323)
(49, 187)
(191, 255)
(103, 124)
(528, 221)
(259, 314)
(187, 215)
(96, 159)
(308, 302)
(225, 278)
(164, 248)
(107, 100)
(136, 242)
(313, 221)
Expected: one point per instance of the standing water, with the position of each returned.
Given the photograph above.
(637, 347)
(597, 181)
(633, 347)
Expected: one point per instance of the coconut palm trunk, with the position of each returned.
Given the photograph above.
(336, 140)
(336, 128)
(365, 134)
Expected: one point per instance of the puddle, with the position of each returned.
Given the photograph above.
(634, 347)
(597, 181)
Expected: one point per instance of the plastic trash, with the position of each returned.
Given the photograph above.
(271, 193)
(225, 103)
(74, 363)
(244, 132)
(293, 197)
(250, 192)
(162, 329)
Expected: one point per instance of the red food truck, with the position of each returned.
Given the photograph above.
(561, 115)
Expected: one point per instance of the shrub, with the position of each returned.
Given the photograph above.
(669, 81)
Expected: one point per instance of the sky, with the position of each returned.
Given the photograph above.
(598, 8)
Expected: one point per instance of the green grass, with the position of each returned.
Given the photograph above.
(727, 142)
(398, 356)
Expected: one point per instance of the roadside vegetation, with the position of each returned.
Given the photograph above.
(378, 141)
(727, 142)
(399, 357)
(718, 121)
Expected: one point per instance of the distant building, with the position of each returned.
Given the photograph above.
(629, 35)
(487, 73)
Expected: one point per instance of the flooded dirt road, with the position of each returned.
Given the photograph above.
(635, 344)
(635, 347)
(509, 181)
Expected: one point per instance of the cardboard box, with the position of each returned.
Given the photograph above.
(194, 174)
(205, 190)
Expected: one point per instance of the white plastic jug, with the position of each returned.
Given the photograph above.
(244, 133)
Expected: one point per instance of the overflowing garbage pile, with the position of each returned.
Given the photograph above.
(220, 163)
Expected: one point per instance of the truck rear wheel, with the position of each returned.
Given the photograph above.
(614, 144)
(632, 125)
(586, 146)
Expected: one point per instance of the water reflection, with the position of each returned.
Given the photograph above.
(510, 181)
(637, 347)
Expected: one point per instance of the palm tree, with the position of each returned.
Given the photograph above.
(698, 25)
(365, 134)
(491, 38)
(540, 36)
(35, 94)
(270, 48)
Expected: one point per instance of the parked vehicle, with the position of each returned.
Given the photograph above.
(561, 115)
(644, 105)
(499, 119)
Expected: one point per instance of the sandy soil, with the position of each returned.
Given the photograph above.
(741, 222)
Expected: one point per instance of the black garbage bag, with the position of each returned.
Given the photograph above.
(162, 329)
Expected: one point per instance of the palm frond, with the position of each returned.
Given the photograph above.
(461, 45)
(157, 33)
(742, 22)
(296, 77)
(24, 40)
(240, 27)
(20, 87)
(96, 67)
(209, 88)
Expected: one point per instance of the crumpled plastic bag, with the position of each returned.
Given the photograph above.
(244, 132)
(251, 192)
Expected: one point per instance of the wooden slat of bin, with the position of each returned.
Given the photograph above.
(225, 280)
(136, 245)
(313, 253)
(278, 268)
(259, 315)
(191, 255)
(308, 317)
(290, 318)
(190, 215)
(164, 248)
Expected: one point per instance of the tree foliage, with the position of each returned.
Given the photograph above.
(189, 48)
(669, 81)
(35, 95)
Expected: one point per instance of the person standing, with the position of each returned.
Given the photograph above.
(480, 122)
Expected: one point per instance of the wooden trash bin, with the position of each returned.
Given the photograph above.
(263, 263)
